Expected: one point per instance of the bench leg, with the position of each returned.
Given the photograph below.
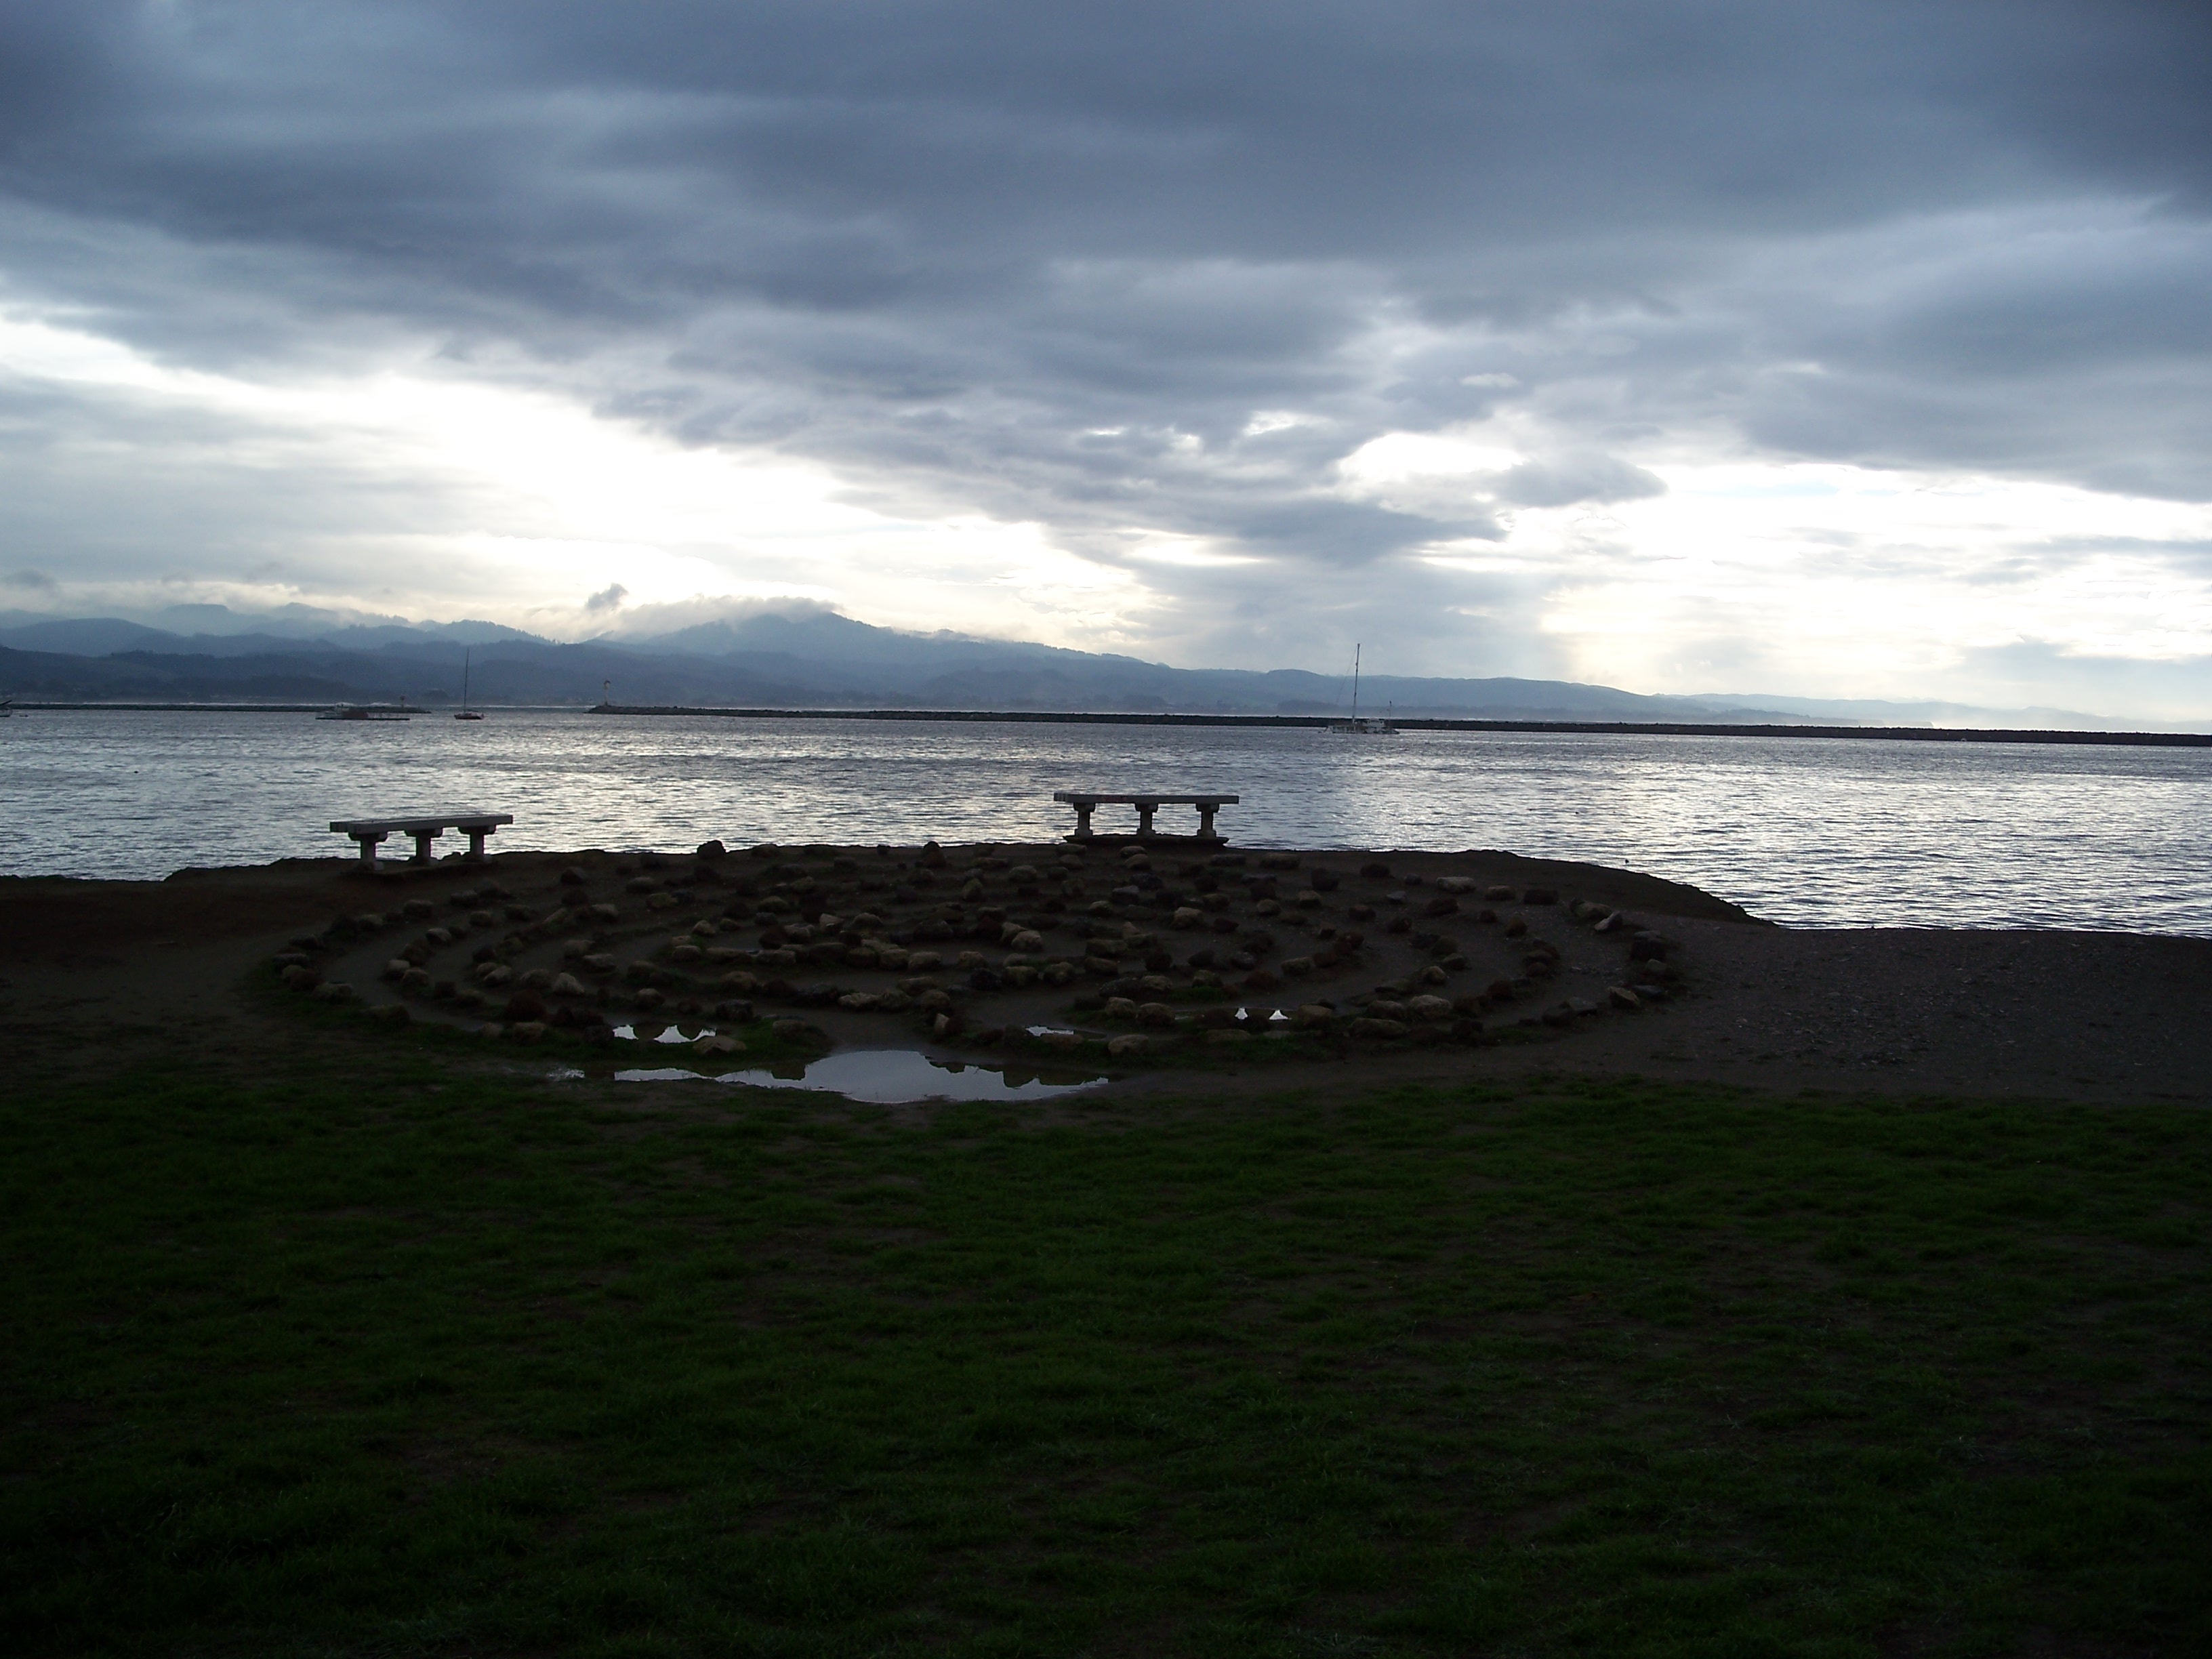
(1082, 821)
(1205, 822)
(368, 844)
(475, 845)
(423, 840)
(1145, 811)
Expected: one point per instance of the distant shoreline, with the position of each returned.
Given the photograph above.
(1308, 722)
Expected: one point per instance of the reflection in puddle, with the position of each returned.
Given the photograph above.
(891, 1077)
(668, 1034)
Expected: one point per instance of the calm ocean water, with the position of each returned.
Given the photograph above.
(1806, 831)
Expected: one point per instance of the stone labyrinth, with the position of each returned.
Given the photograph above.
(1125, 951)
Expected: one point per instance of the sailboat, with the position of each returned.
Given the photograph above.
(466, 714)
(1359, 726)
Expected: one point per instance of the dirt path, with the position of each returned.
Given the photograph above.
(91, 972)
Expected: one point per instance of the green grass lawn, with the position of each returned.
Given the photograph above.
(392, 1356)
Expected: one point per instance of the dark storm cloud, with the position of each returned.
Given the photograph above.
(1051, 262)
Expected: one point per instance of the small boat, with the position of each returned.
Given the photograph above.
(466, 714)
(1361, 726)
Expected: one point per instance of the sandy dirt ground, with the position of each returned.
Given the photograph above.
(95, 973)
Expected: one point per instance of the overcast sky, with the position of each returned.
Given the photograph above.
(1833, 349)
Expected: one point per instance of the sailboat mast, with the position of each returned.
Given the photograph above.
(1355, 680)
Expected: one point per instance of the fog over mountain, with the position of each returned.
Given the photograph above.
(1855, 351)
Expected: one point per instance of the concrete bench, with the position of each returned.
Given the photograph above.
(369, 833)
(1084, 804)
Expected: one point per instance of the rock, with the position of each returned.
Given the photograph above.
(528, 1030)
(687, 953)
(334, 991)
(737, 1010)
(1647, 992)
(1155, 1013)
(649, 997)
(1455, 884)
(418, 909)
(661, 901)
(537, 979)
(1305, 898)
(1621, 997)
(491, 1031)
(1516, 928)
(641, 884)
(1376, 1030)
(1222, 1037)
(1029, 941)
(572, 877)
(1261, 979)
(858, 1001)
(398, 968)
(567, 985)
(1432, 974)
(305, 979)
(797, 1030)
(391, 1013)
(1120, 1008)
(417, 980)
(1580, 1005)
(708, 851)
(1428, 1007)
(1299, 967)
(1609, 923)
(1058, 972)
(715, 1043)
(1398, 925)
(1129, 1042)
(1648, 947)
(1187, 917)
(1375, 871)
(524, 1005)
(1267, 908)
(605, 912)
(1061, 1039)
(1499, 895)
(1444, 904)
(1383, 1008)
(1361, 912)
(1314, 1015)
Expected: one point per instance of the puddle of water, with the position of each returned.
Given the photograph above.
(889, 1077)
(673, 1033)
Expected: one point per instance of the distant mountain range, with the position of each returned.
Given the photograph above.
(798, 658)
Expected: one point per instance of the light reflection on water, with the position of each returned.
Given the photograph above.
(1805, 830)
(886, 1077)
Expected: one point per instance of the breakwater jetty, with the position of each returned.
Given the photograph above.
(1440, 723)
